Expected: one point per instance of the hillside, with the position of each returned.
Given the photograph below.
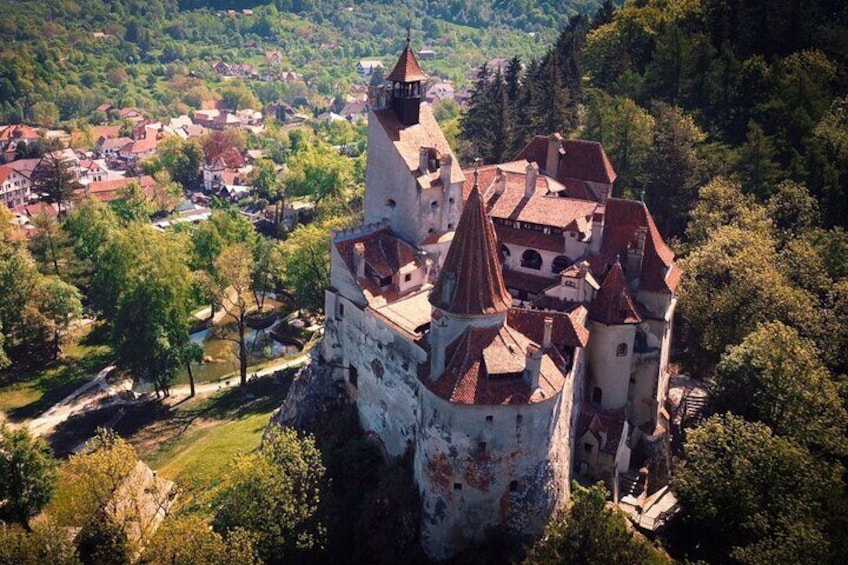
(61, 60)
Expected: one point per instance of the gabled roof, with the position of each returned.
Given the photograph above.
(602, 424)
(568, 329)
(622, 221)
(614, 303)
(581, 159)
(407, 68)
(471, 282)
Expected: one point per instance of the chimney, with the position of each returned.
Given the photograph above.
(597, 231)
(445, 170)
(549, 327)
(424, 160)
(554, 154)
(532, 172)
(437, 348)
(359, 259)
(532, 367)
(500, 181)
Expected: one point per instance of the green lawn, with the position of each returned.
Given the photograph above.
(25, 395)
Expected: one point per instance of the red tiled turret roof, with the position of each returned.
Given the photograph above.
(471, 281)
(614, 304)
(407, 68)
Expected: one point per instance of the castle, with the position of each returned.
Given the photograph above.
(510, 325)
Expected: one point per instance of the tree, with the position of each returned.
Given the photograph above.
(182, 159)
(132, 204)
(47, 542)
(318, 171)
(722, 203)
(673, 167)
(189, 540)
(793, 209)
(27, 474)
(234, 268)
(731, 285)
(167, 194)
(54, 177)
(49, 239)
(753, 497)
(267, 270)
(591, 532)
(59, 303)
(776, 377)
(756, 167)
(238, 97)
(152, 293)
(265, 179)
(306, 261)
(45, 113)
(274, 495)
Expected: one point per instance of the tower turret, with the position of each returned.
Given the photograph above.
(406, 80)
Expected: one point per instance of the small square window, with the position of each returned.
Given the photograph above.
(518, 419)
(481, 446)
(489, 418)
(513, 486)
(407, 277)
(587, 447)
(457, 486)
(341, 310)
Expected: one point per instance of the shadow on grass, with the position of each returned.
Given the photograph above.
(59, 381)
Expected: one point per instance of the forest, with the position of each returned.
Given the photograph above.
(728, 119)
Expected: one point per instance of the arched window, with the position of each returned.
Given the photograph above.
(505, 251)
(621, 350)
(434, 205)
(531, 259)
(560, 263)
(597, 395)
(391, 203)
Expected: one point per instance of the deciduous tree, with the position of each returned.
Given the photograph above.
(27, 474)
(274, 495)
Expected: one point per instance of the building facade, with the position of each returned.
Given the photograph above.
(509, 325)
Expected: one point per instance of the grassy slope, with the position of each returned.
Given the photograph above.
(24, 396)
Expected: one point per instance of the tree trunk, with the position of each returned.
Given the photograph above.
(242, 351)
(53, 253)
(190, 378)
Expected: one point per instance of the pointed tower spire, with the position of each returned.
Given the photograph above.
(406, 80)
(471, 282)
(614, 304)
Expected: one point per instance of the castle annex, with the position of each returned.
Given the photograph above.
(510, 325)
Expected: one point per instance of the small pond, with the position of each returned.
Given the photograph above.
(220, 354)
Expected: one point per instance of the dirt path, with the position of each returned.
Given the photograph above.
(96, 394)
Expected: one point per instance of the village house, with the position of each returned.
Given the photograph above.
(366, 67)
(14, 187)
(11, 138)
(510, 325)
(442, 90)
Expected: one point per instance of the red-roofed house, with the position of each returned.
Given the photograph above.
(14, 186)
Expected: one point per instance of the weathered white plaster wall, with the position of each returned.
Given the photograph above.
(608, 371)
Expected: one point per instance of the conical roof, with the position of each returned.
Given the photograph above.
(614, 304)
(471, 281)
(407, 68)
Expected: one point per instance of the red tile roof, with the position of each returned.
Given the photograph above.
(385, 253)
(25, 167)
(614, 304)
(600, 423)
(108, 190)
(485, 366)
(407, 68)
(581, 159)
(623, 219)
(471, 281)
(568, 328)
(17, 131)
(533, 284)
(5, 172)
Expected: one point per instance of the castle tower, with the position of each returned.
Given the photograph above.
(470, 290)
(406, 80)
(614, 318)
(412, 178)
